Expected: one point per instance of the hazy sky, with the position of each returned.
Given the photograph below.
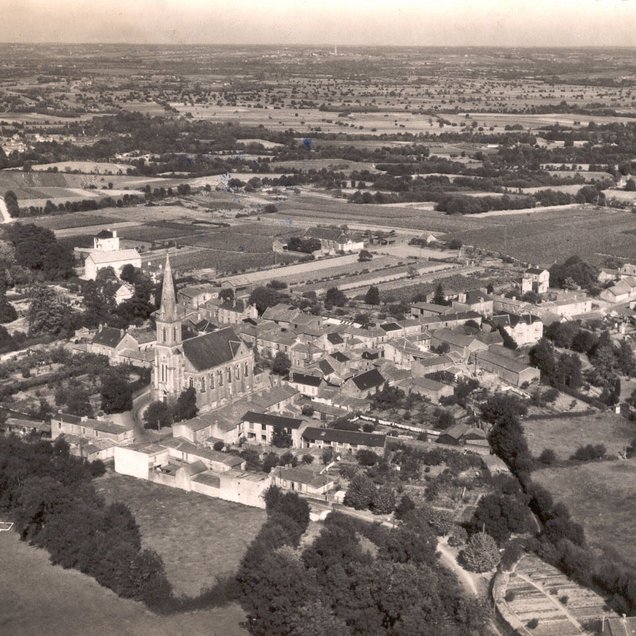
(380, 22)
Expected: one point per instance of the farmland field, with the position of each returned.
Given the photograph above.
(34, 594)
(602, 497)
(565, 434)
(198, 537)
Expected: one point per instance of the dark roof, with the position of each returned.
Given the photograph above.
(67, 417)
(325, 367)
(304, 378)
(535, 270)
(271, 420)
(335, 338)
(340, 357)
(212, 349)
(344, 437)
(108, 337)
(104, 234)
(368, 379)
(390, 326)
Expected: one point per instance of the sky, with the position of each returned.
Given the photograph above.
(341, 22)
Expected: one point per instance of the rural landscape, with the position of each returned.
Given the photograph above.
(317, 340)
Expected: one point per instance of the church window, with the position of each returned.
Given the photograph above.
(237, 372)
(220, 378)
(174, 334)
(202, 384)
(211, 380)
(190, 382)
(163, 333)
(246, 370)
(229, 374)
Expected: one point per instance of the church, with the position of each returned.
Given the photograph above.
(218, 365)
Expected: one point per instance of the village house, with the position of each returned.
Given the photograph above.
(430, 389)
(193, 297)
(22, 427)
(622, 292)
(343, 441)
(123, 293)
(334, 240)
(259, 428)
(525, 330)
(303, 481)
(431, 363)
(89, 438)
(474, 300)
(106, 241)
(509, 369)
(306, 384)
(451, 320)
(464, 344)
(180, 465)
(535, 280)
(98, 259)
(229, 312)
(364, 384)
(429, 310)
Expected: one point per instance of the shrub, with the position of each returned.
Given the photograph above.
(533, 623)
(510, 596)
(480, 554)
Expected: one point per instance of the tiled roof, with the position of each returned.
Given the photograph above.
(368, 379)
(271, 420)
(212, 349)
(344, 437)
(108, 337)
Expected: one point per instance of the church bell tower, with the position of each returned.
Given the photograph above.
(168, 367)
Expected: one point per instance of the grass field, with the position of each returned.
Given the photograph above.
(602, 497)
(565, 434)
(38, 598)
(198, 537)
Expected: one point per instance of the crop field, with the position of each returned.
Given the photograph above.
(73, 220)
(198, 537)
(90, 167)
(71, 603)
(565, 434)
(539, 591)
(543, 238)
(158, 231)
(601, 496)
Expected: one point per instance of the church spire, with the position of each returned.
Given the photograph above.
(168, 300)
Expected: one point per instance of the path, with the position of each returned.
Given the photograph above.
(562, 608)
(468, 580)
(134, 417)
(4, 212)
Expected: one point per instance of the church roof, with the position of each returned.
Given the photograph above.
(212, 349)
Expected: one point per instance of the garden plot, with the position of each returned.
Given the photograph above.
(539, 591)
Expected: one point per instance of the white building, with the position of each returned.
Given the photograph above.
(100, 259)
(106, 241)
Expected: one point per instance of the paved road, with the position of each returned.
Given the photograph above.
(134, 417)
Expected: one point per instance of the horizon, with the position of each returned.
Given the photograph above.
(400, 23)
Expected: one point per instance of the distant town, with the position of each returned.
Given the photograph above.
(318, 340)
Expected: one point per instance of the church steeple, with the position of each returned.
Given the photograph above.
(168, 309)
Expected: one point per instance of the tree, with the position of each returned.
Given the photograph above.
(372, 297)
(439, 298)
(116, 393)
(361, 492)
(128, 273)
(364, 256)
(547, 456)
(186, 406)
(227, 294)
(480, 554)
(281, 438)
(78, 401)
(157, 414)
(281, 364)
(48, 313)
(264, 297)
(383, 502)
(335, 298)
(630, 185)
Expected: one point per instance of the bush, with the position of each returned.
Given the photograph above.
(547, 457)
(480, 554)
(589, 452)
(510, 596)
(218, 446)
(533, 623)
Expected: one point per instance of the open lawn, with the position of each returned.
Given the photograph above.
(198, 537)
(602, 497)
(565, 434)
(38, 598)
